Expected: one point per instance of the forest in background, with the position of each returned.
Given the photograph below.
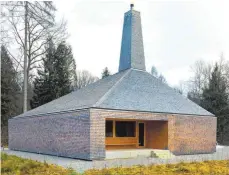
(51, 70)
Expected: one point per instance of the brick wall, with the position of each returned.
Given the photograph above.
(97, 135)
(105, 113)
(186, 134)
(82, 134)
(192, 134)
(60, 134)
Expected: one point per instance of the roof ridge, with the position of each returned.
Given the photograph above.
(110, 90)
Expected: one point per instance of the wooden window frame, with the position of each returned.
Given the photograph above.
(120, 141)
(112, 129)
(114, 125)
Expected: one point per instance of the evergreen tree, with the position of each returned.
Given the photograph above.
(57, 76)
(215, 100)
(155, 73)
(9, 88)
(105, 72)
(43, 83)
(162, 79)
(64, 67)
(215, 97)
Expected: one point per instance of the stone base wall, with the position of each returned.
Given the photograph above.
(192, 134)
(64, 135)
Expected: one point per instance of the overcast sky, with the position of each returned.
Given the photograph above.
(175, 33)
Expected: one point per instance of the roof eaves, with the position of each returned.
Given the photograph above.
(48, 114)
(156, 112)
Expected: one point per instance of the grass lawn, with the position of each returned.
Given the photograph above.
(13, 165)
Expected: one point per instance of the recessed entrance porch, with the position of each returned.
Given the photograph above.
(130, 134)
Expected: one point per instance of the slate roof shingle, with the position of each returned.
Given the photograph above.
(127, 90)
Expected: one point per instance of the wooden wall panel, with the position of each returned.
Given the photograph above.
(121, 141)
(157, 134)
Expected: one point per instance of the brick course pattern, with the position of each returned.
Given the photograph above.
(192, 134)
(66, 135)
(81, 134)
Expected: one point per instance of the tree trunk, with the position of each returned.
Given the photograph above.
(25, 60)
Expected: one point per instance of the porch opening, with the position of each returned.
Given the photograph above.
(132, 134)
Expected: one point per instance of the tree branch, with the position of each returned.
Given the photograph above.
(14, 57)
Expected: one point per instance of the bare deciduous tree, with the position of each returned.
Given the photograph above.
(181, 88)
(31, 23)
(84, 78)
(201, 75)
(159, 76)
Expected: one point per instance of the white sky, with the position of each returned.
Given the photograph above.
(175, 33)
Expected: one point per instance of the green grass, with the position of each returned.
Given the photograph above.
(13, 165)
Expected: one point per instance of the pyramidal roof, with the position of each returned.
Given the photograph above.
(132, 88)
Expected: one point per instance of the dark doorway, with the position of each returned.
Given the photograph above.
(141, 134)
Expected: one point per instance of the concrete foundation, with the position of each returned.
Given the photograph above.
(135, 153)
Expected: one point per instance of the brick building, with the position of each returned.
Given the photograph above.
(128, 110)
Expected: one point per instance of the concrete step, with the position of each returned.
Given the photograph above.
(163, 154)
(117, 154)
(133, 153)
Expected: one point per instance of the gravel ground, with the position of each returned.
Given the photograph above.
(222, 153)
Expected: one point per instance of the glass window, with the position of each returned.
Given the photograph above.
(109, 128)
(125, 129)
